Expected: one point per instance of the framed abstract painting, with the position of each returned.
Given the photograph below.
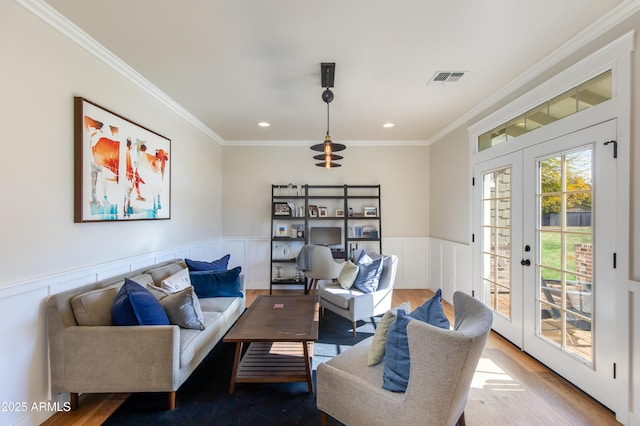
(122, 170)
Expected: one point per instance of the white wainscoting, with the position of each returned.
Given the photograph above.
(634, 357)
(253, 254)
(423, 263)
(450, 267)
(23, 334)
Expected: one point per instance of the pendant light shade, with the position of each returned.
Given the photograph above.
(332, 157)
(327, 148)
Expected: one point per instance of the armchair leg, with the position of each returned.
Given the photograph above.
(325, 419)
(73, 400)
(354, 328)
(461, 421)
(172, 400)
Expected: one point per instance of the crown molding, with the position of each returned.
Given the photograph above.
(52, 17)
(607, 22)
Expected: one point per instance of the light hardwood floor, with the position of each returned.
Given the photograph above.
(509, 388)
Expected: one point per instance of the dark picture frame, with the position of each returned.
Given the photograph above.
(122, 169)
(281, 209)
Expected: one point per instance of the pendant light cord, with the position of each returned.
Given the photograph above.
(327, 118)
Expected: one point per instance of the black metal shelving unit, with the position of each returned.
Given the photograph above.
(360, 222)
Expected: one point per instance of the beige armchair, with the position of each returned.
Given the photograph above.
(356, 305)
(443, 363)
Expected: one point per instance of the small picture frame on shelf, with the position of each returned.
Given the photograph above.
(313, 211)
(323, 212)
(370, 211)
(281, 230)
(339, 212)
(281, 209)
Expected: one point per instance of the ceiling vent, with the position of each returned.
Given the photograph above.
(446, 77)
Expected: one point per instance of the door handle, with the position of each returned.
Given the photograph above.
(525, 262)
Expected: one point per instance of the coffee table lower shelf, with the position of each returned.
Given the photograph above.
(273, 362)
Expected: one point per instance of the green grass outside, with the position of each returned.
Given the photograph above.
(551, 249)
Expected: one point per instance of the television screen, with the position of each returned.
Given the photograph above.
(325, 235)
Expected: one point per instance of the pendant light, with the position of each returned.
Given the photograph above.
(328, 148)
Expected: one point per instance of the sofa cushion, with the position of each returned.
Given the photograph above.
(158, 292)
(337, 295)
(159, 273)
(142, 279)
(176, 282)
(217, 283)
(183, 309)
(192, 341)
(348, 274)
(135, 305)
(94, 307)
(396, 359)
(217, 265)
(377, 348)
(353, 362)
(369, 272)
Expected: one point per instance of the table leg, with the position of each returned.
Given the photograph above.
(307, 364)
(234, 371)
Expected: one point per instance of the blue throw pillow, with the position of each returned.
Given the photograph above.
(369, 272)
(396, 359)
(431, 312)
(221, 264)
(396, 355)
(135, 305)
(217, 283)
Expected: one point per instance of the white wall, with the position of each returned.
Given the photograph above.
(41, 249)
(402, 172)
(249, 172)
(450, 182)
(42, 71)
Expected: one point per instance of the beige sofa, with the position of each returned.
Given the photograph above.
(89, 355)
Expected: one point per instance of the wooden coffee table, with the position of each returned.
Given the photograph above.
(281, 331)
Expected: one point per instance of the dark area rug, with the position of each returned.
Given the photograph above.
(204, 399)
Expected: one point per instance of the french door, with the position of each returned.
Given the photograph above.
(543, 261)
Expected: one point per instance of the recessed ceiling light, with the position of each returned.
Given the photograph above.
(387, 125)
(264, 124)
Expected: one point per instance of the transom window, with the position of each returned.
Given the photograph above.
(581, 97)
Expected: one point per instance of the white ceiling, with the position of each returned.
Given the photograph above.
(234, 63)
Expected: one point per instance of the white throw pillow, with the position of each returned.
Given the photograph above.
(348, 274)
(176, 282)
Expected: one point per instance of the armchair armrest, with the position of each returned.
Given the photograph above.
(121, 359)
(371, 304)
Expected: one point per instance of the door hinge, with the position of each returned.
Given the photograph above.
(615, 147)
(473, 238)
(473, 181)
(614, 370)
(615, 260)
(473, 293)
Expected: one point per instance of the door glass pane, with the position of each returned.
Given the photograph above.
(496, 240)
(565, 258)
